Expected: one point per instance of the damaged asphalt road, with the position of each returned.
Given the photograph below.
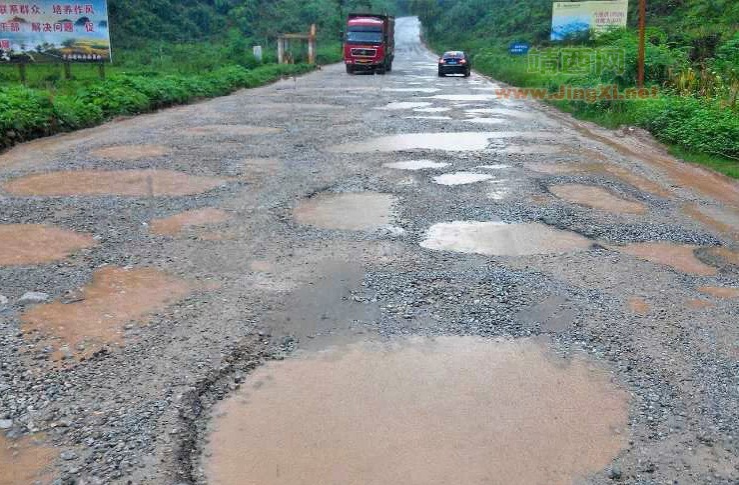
(223, 292)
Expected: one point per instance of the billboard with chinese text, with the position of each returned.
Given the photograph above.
(50, 31)
(573, 18)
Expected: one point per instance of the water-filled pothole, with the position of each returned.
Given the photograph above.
(400, 105)
(461, 178)
(416, 165)
(597, 198)
(194, 218)
(131, 152)
(22, 244)
(96, 316)
(130, 183)
(679, 257)
(500, 239)
(357, 211)
(462, 141)
(25, 461)
(452, 410)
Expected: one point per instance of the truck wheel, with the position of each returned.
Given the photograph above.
(349, 69)
(380, 70)
(390, 66)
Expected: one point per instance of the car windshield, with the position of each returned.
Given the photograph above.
(364, 36)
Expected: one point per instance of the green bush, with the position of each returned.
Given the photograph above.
(31, 113)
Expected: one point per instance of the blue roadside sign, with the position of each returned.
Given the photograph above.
(519, 48)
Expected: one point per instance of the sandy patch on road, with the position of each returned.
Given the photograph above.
(28, 244)
(130, 183)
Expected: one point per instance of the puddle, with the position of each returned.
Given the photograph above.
(436, 109)
(720, 291)
(498, 192)
(194, 218)
(360, 211)
(114, 297)
(233, 130)
(434, 118)
(461, 178)
(27, 244)
(463, 141)
(25, 461)
(597, 198)
(130, 183)
(679, 257)
(416, 165)
(500, 239)
(412, 90)
(463, 97)
(496, 166)
(639, 306)
(131, 152)
(419, 412)
(404, 105)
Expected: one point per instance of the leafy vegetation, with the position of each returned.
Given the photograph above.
(168, 52)
(27, 113)
(692, 57)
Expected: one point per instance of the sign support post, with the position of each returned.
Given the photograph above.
(642, 42)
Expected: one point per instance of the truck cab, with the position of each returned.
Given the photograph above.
(369, 43)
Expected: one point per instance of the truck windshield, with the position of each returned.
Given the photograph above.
(364, 37)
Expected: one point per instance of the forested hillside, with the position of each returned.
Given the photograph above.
(134, 22)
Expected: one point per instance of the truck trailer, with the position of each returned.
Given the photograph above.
(369, 43)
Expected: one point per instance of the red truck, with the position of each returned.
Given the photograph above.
(369, 43)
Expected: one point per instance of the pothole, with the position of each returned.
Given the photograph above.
(131, 152)
(495, 166)
(550, 168)
(404, 105)
(500, 239)
(698, 304)
(463, 141)
(433, 109)
(463, 97)
(194, 218)
(129, 183)
(461, 178)
(726, 292)
(723, 220)
(726, 254)
(96, 315)
(679, 257)
(22, 244)
(451, 410)
(24, 461)
(596, 198)
(234, 130)
(412, 90)
(358, 211)
(416, 165)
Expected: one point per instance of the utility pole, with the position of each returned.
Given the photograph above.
(642, 42)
